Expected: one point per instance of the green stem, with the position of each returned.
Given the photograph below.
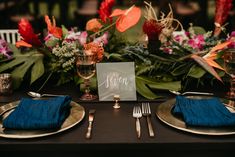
(45, 82)
(104, 29)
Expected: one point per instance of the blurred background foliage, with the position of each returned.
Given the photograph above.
(75, 13)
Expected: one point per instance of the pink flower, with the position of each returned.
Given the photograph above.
(181, 37)
(49, 37)
(73, 36)
(168, 50)
(232, 38)
(197, 42)
(82, 38)
(103, 39)
(4, 49)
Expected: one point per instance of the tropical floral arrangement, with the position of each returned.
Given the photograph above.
(174, 56)
(167, 60)
(36, 57)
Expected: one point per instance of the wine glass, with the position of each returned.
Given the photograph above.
(229, 64)
(86, 65)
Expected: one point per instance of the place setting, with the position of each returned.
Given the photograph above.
(105, 68)
(39, 117)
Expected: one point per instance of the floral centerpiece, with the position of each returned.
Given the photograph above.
(170, 59)
(36, 57)
(173, 56)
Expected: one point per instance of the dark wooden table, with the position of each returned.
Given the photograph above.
(114, 134)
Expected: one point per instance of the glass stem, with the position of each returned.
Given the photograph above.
(87, 89)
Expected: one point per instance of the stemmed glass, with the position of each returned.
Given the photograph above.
(86, 67)
(229, 64)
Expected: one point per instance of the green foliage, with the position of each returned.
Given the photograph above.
(162, 71)
(29, 61)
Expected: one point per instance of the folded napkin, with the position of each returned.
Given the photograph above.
(203, 112)
(39, 114)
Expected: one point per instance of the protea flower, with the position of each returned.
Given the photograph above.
(152, 28)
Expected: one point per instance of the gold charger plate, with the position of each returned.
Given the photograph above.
(164, 113)
(77, 113)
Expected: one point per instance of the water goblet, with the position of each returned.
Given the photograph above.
(86, 68)
(229, 64)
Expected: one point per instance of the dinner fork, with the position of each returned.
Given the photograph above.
(137, 114)
(146, 111)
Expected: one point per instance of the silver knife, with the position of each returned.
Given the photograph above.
(90, 119)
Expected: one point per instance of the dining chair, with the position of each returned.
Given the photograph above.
(10, 35)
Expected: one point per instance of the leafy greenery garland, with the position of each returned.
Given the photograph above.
(157, 70)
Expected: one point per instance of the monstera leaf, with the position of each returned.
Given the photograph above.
(22, 63)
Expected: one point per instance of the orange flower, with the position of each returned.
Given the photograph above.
(211, 56)
(93, 25)
(55, 31)
(95, 49)
(127, 18)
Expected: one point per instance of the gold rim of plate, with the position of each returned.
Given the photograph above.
(77, 113)
(164, 113)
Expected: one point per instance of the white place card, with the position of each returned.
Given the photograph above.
(116, 78)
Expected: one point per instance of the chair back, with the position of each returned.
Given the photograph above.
(10, 35)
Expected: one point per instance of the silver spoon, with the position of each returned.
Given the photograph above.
(190, 93)
(38, 95)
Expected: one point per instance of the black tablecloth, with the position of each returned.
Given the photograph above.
(114, 134)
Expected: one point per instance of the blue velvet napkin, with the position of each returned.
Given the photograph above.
(39, 114)
(203, 112)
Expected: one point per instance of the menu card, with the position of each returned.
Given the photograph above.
(116, 78)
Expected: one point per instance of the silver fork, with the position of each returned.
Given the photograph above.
(146, 111)
(137, 114)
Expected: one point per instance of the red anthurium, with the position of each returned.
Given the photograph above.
(52, 29)
(29, 38)
(127, 18)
